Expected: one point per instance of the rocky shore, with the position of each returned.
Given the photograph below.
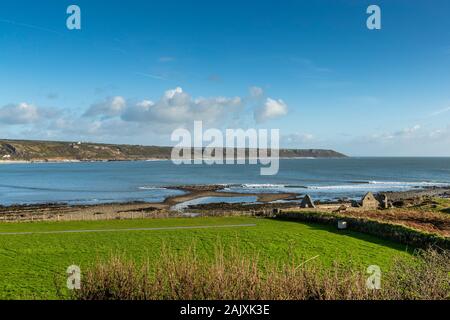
(443, 192)
(422, 209)
(191, 192)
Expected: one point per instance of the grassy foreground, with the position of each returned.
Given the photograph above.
(32, 266)
(234, 276)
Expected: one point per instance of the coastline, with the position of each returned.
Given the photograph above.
(192, 192)
(146, 159)
(417, 210)
(75, 161)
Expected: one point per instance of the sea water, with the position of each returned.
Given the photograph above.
(104, 182)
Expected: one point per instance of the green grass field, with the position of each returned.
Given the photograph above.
(32, 265)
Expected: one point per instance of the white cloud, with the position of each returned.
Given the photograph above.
(145, 104)
(270, 110)
(25, 113)
(405, 133)
(176, 108)
(411, 141)
(21, 113)
(415, 135)
(410, 130)
(88, 128)
(141, 121)
(109, 108)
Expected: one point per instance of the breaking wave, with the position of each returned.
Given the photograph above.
(350, 186)
(151, 188)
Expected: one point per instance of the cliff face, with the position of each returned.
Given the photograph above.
(17, 150)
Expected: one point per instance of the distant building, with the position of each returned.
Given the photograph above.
(6, 156)
(369, 201)
(307, 202)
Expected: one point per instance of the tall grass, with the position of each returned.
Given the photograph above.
(235, 276)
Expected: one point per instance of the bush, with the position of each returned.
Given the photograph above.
(390, 231)
(187, 277)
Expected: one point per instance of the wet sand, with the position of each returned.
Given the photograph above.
(202, 191)
(53, 211)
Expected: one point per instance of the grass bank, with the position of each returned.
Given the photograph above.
(386, 230)
(186, 276)
(32, 266)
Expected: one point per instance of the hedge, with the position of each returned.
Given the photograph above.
(394, 232)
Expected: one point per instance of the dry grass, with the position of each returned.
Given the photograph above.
(428, 221)
(234, 276)
(391, 230)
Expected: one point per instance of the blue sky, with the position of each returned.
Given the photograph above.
(139, 69)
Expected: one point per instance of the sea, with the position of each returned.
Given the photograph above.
(112, 182)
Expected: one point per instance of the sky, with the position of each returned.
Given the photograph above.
(137, 70)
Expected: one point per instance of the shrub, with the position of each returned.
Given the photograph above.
(235, 276)
(390, 231)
